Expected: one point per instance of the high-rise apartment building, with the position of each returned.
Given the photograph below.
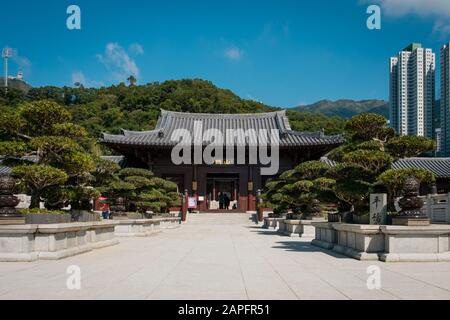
(412, 91)
(445, 100)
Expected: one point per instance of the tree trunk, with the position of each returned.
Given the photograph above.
(35, 200)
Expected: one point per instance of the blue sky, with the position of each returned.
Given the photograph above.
(283, 53)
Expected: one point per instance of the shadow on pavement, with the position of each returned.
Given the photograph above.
(306, 246)
(297, 246)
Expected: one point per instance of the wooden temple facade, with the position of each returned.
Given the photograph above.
(206, 182)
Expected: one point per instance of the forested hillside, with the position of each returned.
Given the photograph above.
(347, 108)
(137, 107)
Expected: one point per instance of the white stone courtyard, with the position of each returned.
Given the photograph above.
(220, 257)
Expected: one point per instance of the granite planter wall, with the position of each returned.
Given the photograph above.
(169, 223)
(272, 223)
(137, 228)
(385, 243)
(47, 218)
(84, 216)
(362, 242)
(325, 235)
(297, 228)
(53, 241)
(144, 227)
(406, 244)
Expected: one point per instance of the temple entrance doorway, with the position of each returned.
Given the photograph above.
(222, 192)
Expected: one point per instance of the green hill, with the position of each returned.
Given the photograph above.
(112, 108)
(16, 84)
(347, 108)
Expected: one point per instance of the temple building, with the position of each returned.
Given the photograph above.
(225, 174)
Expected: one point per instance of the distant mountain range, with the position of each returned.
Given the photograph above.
(347, 108)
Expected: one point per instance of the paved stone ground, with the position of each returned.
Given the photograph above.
(220, 258)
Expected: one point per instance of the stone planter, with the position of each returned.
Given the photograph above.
(282, 226)
(334, 217)
(410, 244)
(45, 218)
(84, 216)
(137, 228)
(271, 223)
(326, 235)
(128, 216)
(385, 243)
(364, 219)
(24, 243)
(169, 223)
(299, 228)
(362, 242)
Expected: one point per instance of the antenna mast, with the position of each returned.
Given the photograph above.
(6, 54)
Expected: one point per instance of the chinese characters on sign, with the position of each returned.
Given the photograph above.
(378, 208)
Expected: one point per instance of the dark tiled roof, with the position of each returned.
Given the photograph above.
(328, 161)
(439, 166)
(120, 160)
(5, 170)
(239, 123)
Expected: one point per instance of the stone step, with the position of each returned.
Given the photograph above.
(219, 218)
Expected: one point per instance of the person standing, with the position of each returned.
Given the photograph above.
(221, 200)
(227, 202)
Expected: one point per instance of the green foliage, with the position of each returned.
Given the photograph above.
(143, 191)
(296, 189)
(13, 148)
(136, 107)
(373, 161)
(130, 172)
(304, 121)
(53, 149)
(10, 123)
(69, 130)
(369, 151)
(368, 126)
(42, 128)
(394, 179)
(311, 169)
(41, 116)
(36, 178)
(409, 146)
(41, 211)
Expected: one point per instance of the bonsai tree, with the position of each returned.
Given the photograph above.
(409, 146)
(297, 190)
(370, 149)
(394, 180)
(43, 129)
(143, 192)
(37, 178)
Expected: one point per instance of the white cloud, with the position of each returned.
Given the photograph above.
(136, 49)
(419, 7)
(442, 27)
(23, 63)
(78, 76)
(234, 53)
(438, 9)
(118, 62)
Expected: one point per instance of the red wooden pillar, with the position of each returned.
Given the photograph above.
(259, 207)
(184, 206)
